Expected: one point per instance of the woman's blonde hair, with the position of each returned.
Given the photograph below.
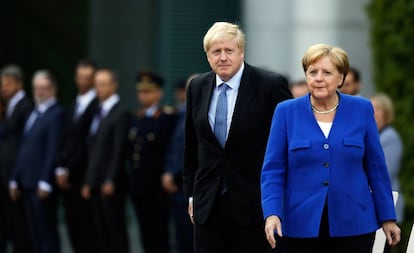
(337, 55)
(386, 105)
(224, 30)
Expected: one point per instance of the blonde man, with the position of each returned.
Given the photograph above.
(229, 111)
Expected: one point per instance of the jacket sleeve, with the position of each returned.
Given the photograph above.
(376, 170)
(274, 166)
(190, 147)
(119, 142)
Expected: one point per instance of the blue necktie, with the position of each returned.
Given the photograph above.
(220, 122)
(31, 120)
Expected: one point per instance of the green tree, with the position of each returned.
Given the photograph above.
(392, 41)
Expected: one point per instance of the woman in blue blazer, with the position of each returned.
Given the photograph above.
(324, 180)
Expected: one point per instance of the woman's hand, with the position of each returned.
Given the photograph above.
(392, 232)
(273, 224)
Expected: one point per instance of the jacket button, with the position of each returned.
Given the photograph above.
(326, 183)
(326, 146)
(326, 165)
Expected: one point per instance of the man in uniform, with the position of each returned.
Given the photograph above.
(149, 137)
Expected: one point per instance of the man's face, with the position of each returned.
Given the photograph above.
(225, 58)
(350, 86)
(105, 85)
(9, 87)
(43, 90)
(84, 78)
(149, 97)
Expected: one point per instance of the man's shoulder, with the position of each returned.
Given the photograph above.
(264, 74)
(202, 79)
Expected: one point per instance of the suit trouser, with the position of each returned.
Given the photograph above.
(221, 234)
(184, 227)
(13, 226)
(326, 244)
(110, 223)
(42, 220)
(79, 221)
(153, 217)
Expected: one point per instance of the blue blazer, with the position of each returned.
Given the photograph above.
(303, 170)
(37, 155)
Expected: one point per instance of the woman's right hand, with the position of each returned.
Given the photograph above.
(273, 224)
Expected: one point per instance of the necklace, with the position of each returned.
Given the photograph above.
(325, 112)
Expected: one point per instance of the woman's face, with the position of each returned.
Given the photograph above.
(323, 78)
(378, 114)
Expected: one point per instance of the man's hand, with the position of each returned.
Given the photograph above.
(108, 189)
(62, 181)
(168, 184)
(86, 191)
(14, 193)
(392, 232)
(273, 224)
(190, 210)
(42, 194)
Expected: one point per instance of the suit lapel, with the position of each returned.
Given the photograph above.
(207, 92)
(245, 95)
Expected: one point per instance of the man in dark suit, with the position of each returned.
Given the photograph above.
(229, 111)
(149, 136)
(32, 176)
(70, 173)
(104, 181)
(18, 107)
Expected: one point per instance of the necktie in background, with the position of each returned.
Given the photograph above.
(32, 119)
(96, 121)
(220, 123)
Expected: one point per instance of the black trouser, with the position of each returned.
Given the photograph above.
(13, 224)
(153, 217)
(42, 221)
(221, 234)
(326, 244)
(79, 221)
(110, 223)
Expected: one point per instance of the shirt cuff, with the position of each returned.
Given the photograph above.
(44, 186)
(59, 171)
(190, 199)
(13, 185)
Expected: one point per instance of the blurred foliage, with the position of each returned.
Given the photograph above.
(392, 41)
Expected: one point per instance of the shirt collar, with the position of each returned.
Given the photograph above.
(234, 82)
(42, 107)
(150, 112)
(109, 103)
(85, 99)
(16, 98)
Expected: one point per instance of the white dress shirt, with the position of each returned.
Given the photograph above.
(232, 92)
(14, 101)
(83, 101)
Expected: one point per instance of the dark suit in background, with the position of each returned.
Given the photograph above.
(174, 163)
(35, 162)
(14, 225)
(225, 182)
(73, 157)
(106, 163)
(149, 137)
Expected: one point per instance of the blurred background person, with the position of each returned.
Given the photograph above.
(391, 144)
(32, 177)
(149, 137)
(352, 84)
(104, 181)
(172, 177)
(72, 162)
(18, 107)
(325, 184)
(298, 88)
